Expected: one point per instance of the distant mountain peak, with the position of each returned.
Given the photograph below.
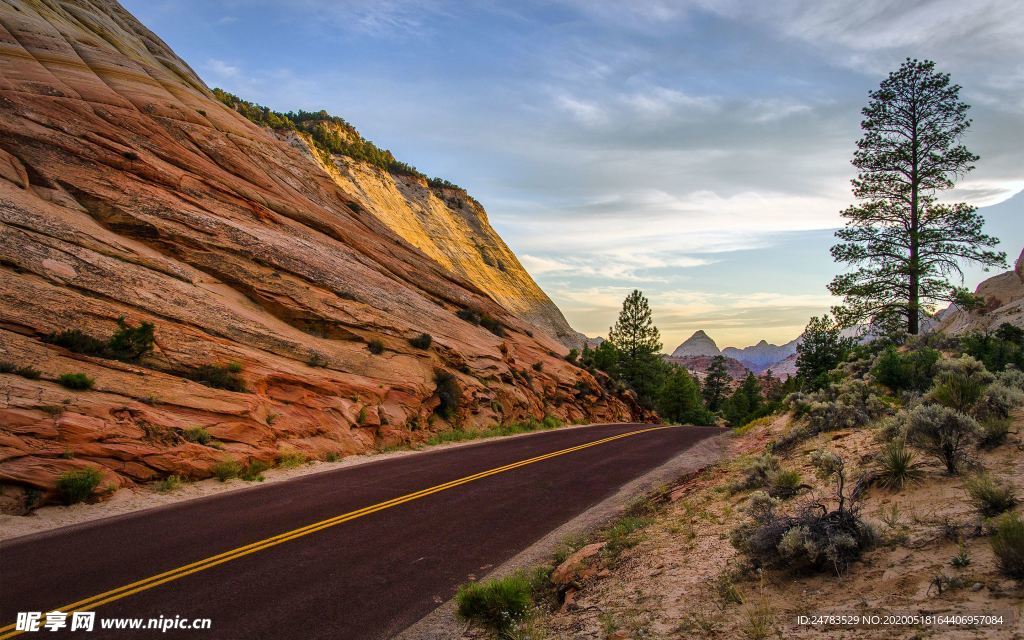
(699, 344)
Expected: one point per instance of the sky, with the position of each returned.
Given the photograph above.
(696, 150)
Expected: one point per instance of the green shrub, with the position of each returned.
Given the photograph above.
(76, 381)
(998, 401)
(376, 347)
(960, 383)
(168, 484)
(78, 341)
(997, 350)
(198, 435)
(912, 370)
(26, 371)
(499, 603)
(291, 459)
(78, 485)
(784, 484)
(448, 393)
(227, 469)
(422, 341)
(1008, 544)
(492, 324)
(941, 432)
(130, 343)
(29, 372)
(990, 496)
(253, 472)
(757, 472)
(219, 377)
(469, 315)
(1011, 377)
(551, 422)
(897, 467)
(993, 432)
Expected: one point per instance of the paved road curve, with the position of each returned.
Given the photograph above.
(367, 574)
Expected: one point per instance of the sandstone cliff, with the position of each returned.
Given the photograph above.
(127, 189)
(1003, 297)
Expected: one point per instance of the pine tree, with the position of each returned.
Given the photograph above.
(716, 383)
(679, 399)
(637, 343)
(906, 243)
(821, 349)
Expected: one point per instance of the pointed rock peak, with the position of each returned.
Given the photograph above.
(763, 343)
(699, 344)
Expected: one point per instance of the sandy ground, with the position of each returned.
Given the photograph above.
(147, 496)
(675, 582)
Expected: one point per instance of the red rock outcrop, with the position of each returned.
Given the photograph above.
(126, 189)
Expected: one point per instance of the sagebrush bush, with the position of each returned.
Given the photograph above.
(896, 466)
(960, 383)
(989, 495)
(815, 537)
(942, 432)
(1008, 544)
(76, 381)
(998, 401)
(499, 603)
(757, 472)
(846, 404)
(78, 485)
(1011, 377)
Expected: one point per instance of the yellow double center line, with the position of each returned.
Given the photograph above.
(207, 563)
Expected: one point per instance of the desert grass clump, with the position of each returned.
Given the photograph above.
(993, 432)
(253, 472)
(943, 432)
(499, 603)
(989, 495)
(784, 484)
(422, 341)
(1008, 544)
(198, 435)
(78, 485)
(76, 381)
(168, 484)
(227, 469)
(291, 459)
(897, 466)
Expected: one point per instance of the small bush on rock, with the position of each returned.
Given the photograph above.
(422, 341)
(376, 347)
(76, 381)
(942, 432)
(449, 394)
(219, 377)
(78, 485)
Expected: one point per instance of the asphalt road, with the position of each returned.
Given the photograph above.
(364, 575)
